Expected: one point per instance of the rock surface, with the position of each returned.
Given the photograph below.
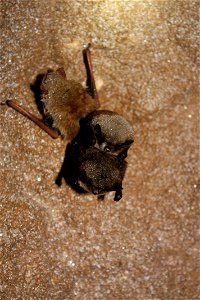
(56, 244)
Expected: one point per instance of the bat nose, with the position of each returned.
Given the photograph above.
(95, 191)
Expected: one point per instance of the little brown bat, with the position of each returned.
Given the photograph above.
(100, 138)
(88, 169)
(67, 102)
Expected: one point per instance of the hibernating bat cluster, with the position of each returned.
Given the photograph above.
(99, 139)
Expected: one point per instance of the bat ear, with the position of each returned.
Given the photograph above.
(98, 133)
(86, 135)
(118, 193)
(122, 155)
(61, 72)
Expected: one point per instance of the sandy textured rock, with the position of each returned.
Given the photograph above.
(56, 244)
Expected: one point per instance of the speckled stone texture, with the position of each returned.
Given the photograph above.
(56, 244)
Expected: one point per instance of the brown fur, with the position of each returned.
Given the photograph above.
(99, 172)
(66, 101)
(115, 129)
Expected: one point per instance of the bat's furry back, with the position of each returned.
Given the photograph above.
(100, 172)
(66, 101)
